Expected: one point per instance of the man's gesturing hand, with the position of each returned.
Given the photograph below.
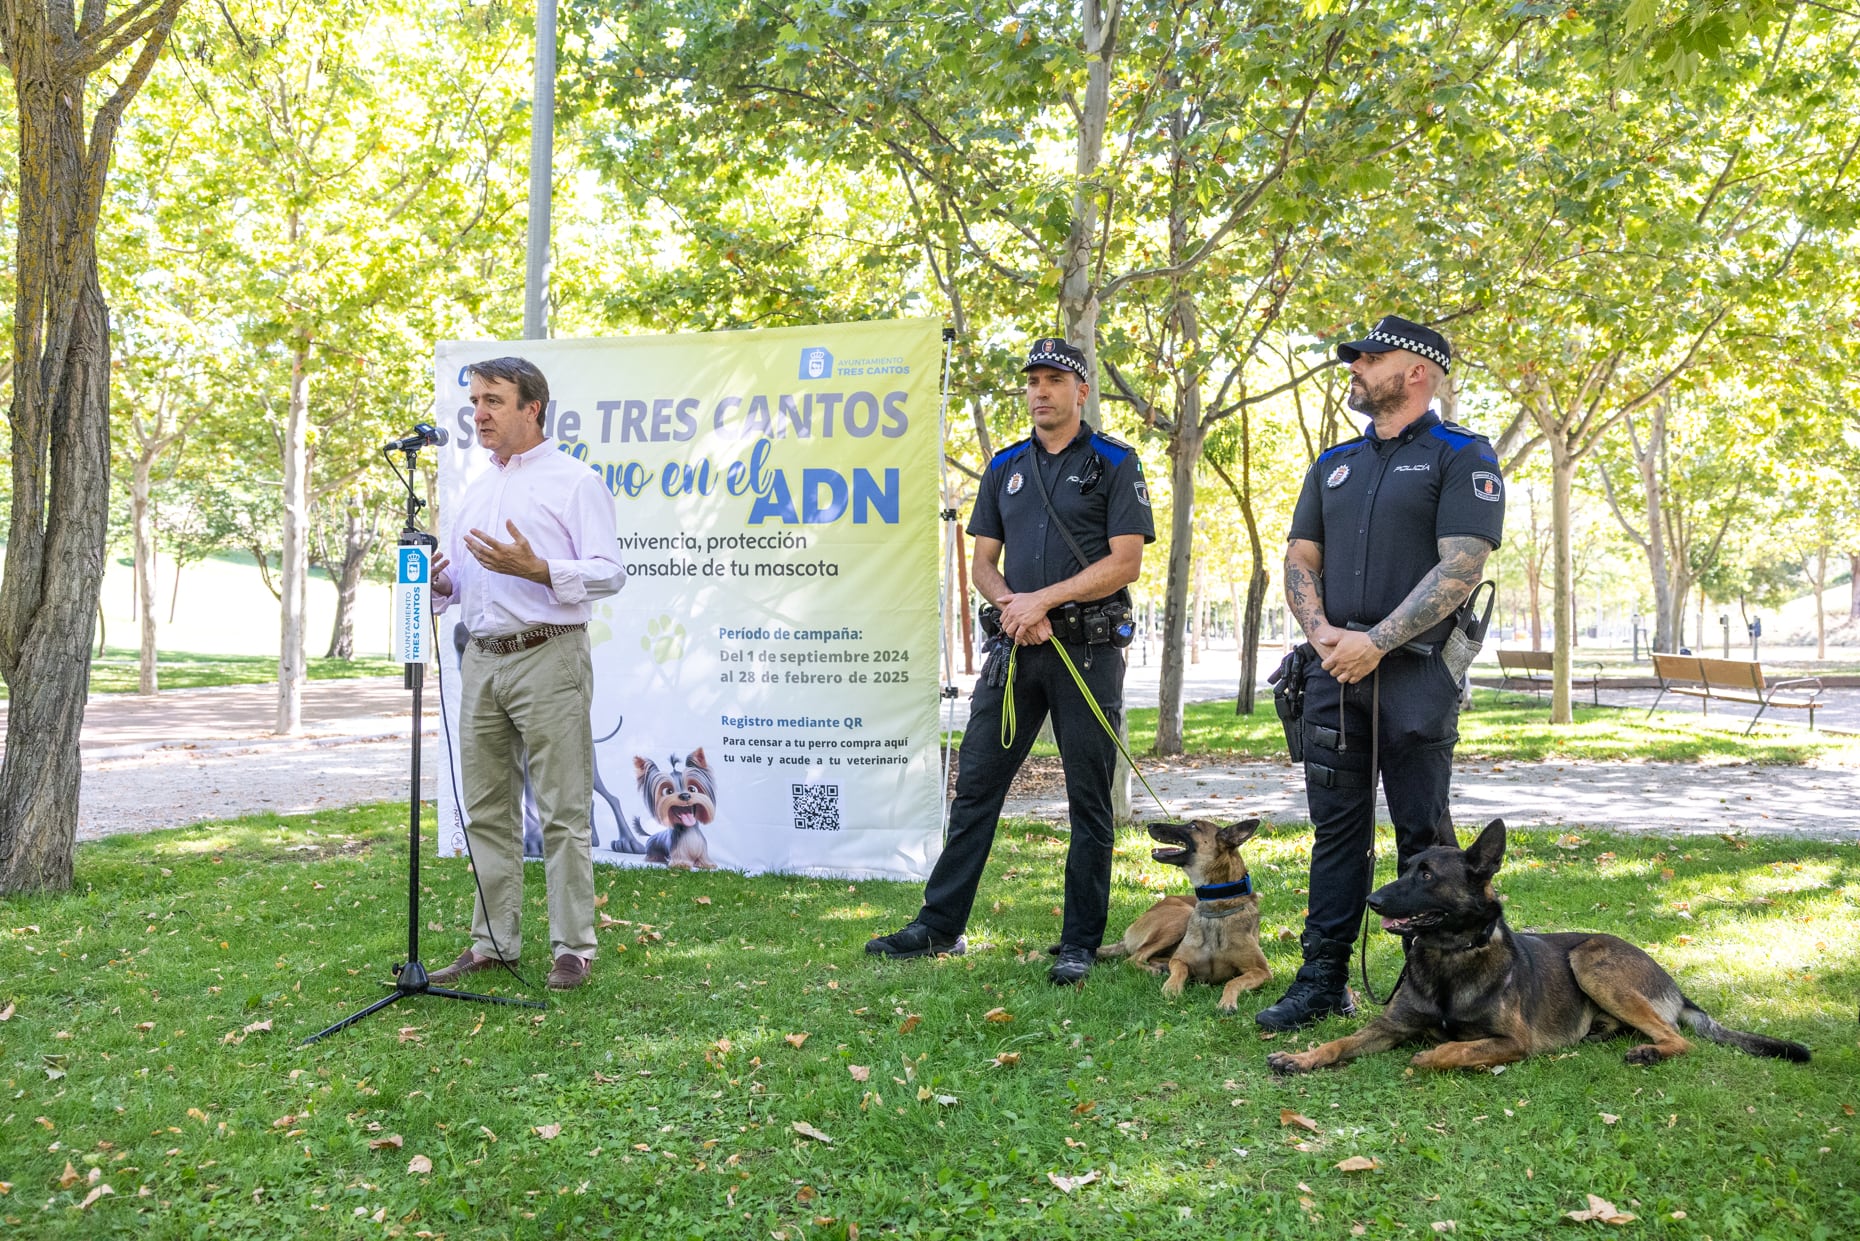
(441, 581)
(513, 558)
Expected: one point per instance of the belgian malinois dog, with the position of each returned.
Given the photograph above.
(1212, 937)
(1486, 994)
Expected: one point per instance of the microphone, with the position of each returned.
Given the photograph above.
(424, 433)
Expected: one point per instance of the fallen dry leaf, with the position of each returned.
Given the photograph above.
(795, 1040)
(145, 1026)
(808, 1131)
(702, 900)
(197, 1114)
(409, 1034)
(6, 1014)
(1608, 1118)
(859, 1072)
(1066, 1184)
(99, 1192)
(1445, 1225)
(910, 1023)
(1600, 1210)
(1357, 1163)
(1000, 1016)
(1085, 1107)
(70, 1176)
(419, 1165)
(1008, 1059)
(546, 1132)
(259, 1027)
(1288, 1117)
(393, 1139)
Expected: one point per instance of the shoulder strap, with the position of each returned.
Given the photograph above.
(1039, 480)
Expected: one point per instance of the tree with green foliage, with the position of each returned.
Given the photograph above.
(60, 412)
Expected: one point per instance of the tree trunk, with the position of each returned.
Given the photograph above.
(1078, 296)
(1197, 611)
(1853, 586)
(294, 570)
(1562, 602)
(359, 537)
(139, 520)
(59, 421)
(1821, 611)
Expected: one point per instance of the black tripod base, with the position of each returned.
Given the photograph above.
(410, 979)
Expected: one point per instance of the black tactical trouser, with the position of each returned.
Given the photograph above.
(1420, 706)
(1041, 685)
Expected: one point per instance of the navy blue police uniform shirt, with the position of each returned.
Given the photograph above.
(1379, 507)
(1096, 485)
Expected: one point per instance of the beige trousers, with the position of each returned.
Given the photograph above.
(530, 705)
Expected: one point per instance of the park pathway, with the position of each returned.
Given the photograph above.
(191, 755)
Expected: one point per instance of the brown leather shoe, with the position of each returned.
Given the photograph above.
(570, 972)
(468, 962)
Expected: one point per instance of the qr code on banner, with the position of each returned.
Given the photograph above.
(817, 807)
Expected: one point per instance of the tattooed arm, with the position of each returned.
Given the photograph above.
(1304, 593)
(1462, 561)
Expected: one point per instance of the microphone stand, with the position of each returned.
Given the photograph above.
(410, 975)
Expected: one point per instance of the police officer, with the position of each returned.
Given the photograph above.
(1047, 593)
(1389, 538)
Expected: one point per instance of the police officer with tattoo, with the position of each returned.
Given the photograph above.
(1069, 508)
(1388, 541)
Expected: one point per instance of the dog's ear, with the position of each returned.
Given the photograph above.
(1487, 853)
(1236, 834)
(641, 766)
(696, 759)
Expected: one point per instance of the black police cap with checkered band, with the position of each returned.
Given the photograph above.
(1394, 332)
(1054, 352)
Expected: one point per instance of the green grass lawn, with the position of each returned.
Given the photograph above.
(153, 1019)
(1510, 727)
(117, 669)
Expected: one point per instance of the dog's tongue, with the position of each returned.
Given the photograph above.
(685, 817)
(1394, 924)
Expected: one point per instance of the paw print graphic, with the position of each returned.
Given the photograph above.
(664, 640)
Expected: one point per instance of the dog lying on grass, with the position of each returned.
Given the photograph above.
(1213, 936)
(1487, 995)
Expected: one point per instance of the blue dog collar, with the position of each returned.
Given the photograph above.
(1225, 891)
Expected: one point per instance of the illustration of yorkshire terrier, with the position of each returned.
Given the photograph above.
(681, 800)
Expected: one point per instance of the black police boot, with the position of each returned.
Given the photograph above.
(1320, 990)
(1072, 966)
(917, 940)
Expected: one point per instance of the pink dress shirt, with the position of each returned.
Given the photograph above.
(565, 512)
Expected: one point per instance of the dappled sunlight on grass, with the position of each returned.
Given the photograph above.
(725, 1009)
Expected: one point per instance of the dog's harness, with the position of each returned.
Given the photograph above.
(1209, 894)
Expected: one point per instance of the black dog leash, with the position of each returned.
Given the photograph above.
(1375, 780)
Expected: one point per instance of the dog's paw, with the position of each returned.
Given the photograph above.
(1284, 1063)
(1173, 989)
(1230, 1007)
(1646, 1053)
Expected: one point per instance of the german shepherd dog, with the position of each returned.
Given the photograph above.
(681, 800)
(1486, 995)
(1212, 937)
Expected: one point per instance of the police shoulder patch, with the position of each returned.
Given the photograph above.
(1488, 486)
(1112, 449)
(1337, 476)
(1143, 493)
(1001, 458)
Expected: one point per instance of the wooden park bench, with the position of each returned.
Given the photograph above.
(1534, 670)
(1732, 680)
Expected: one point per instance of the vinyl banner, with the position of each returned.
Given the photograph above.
(766, 681)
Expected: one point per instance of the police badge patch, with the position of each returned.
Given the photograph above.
(1337, 476)
(1487, 486)
(1143, 494)
(1013, 487)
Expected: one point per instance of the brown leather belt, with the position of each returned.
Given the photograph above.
(525, 640)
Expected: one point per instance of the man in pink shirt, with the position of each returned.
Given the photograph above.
(530, 547)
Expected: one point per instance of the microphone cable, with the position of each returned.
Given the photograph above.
(458, 802)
